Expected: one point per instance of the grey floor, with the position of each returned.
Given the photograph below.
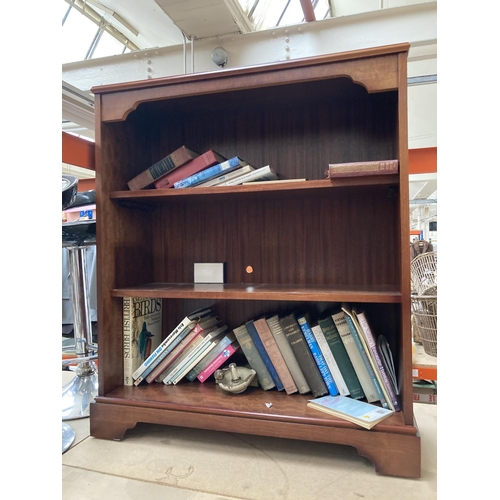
(157, 462)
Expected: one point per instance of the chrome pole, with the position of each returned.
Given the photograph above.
(81, 391)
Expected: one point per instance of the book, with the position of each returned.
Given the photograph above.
(211, 172)
(281, 181)
(377, 359)
(207, 159)
(226, 176)
(142, 332)
(330, 360)
(204, 362)
(264, 355)
(176, 348)
(174, 160)
(218, 361)
(180, 360)
(357, 335)
(190, 319)
(295, 337)
(208, 342)
(387, 360)
(169, 352)
(353, 410)
(288, 354)
(264, 174)
(318, 356)
(275, 355)
(253, 357)
(339, 318)
(201, 350)
(344, 363)
(357, 168)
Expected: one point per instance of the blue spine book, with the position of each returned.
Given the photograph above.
(364, 356)
(163, 354)
(211, 172)
(263, 354)
(318, 356)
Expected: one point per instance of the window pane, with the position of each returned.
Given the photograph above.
(293, 15)
(246, 5)
(322, 10)
(107, 46)
(268, 12)
(77, 35)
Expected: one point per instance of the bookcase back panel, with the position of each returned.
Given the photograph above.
(296, 129)
(342, 237)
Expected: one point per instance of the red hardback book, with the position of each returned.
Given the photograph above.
(174, 160)
(275, 355)
(355, 169)
(200, 163)
(217, 362)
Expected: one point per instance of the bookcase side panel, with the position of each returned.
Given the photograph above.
(405, 353)
(124, 240)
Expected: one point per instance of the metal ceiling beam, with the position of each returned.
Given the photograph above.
(77, 106)
(414, 24)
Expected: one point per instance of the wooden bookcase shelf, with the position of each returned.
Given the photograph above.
(306, 188)
(262, 291)
(311, 244)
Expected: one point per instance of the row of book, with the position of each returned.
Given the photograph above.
(187, 168)
(336, 355)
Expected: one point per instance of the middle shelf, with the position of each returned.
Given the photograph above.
(262, 291)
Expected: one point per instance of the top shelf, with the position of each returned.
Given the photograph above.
(274, 187)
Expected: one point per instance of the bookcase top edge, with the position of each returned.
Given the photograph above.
(272, 66)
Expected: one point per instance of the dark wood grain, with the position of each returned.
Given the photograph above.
(311, 245)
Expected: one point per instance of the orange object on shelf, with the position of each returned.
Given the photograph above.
(424, 366)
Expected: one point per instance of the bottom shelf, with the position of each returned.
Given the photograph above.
(392, 446)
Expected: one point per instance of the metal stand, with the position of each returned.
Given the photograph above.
(68, 436)
(81, 391)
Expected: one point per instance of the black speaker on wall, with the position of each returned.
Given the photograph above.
(433, 226)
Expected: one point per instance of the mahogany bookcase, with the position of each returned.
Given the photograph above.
(311, 244)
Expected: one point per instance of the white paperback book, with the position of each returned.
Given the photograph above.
(264, 174)
(226, 177)
(330, 360)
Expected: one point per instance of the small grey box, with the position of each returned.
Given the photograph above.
(212, 272)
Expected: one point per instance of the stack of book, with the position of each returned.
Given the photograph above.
(195, 348)
(186, 168)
